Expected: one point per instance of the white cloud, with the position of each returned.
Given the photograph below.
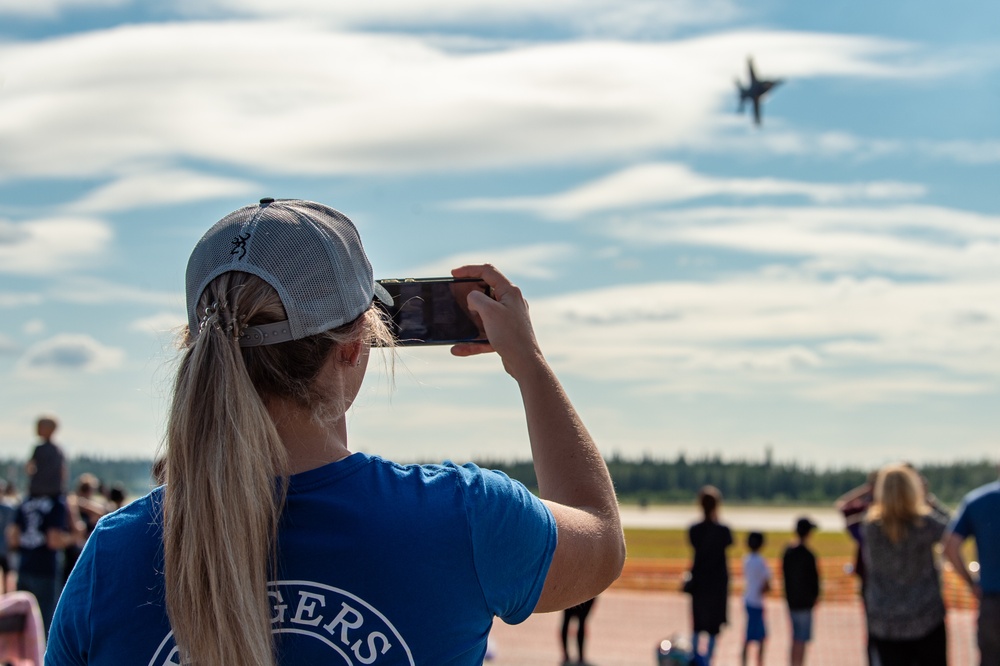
(878, 389)
(780, 140)
(52, 245)
(83, 289)
(964, 152)
(649, 184)
(913, 240)
(69, 353)
(50, 8)
(156, 188)
(13, 300)
(7, 346)
(292, 98)
(791, 335)
(33, 327)
(161, 322)
(531, 261)
(604, 17)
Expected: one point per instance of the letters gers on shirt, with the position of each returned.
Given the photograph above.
(329, 620)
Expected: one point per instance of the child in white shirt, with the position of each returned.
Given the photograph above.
(757, 582)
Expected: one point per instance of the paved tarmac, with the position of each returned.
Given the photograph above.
(626, 626)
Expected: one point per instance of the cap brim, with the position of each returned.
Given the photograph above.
(382, 295)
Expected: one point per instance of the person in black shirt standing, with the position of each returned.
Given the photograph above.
(801, 575)
(47, 471)
(709, 583)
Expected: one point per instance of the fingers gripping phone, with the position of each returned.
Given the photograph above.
(434, 311)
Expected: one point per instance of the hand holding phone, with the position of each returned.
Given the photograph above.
(505, 320)
(435, 311)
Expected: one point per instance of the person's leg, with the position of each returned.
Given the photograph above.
(801, 634)
(581, 629)
(989, 630)
(709, 649)
(881, 650)
(44, 589)
(932, 649)
(747, 635)
(798, 653)
(565, 635)
(755, 631)
(763, 638)
(745, 655)
(892, 653)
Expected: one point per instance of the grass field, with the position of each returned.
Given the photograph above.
(658, 558)
(672, 544)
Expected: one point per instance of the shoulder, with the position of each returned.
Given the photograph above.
(871, 534)
(976, 510)
(984, 494)
(935, 523)
(126, 527)
(444, 475)
(453, 485)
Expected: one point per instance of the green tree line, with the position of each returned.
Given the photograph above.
(132, 474)
(643, 481)
(653, 481)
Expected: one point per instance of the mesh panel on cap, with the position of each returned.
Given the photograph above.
(309, 253)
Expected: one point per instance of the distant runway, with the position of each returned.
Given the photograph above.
(763, 518)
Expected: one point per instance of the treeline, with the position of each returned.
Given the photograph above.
(645, 481)
(652, 481)
(133, 474)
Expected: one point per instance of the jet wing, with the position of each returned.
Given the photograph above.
(756, 110)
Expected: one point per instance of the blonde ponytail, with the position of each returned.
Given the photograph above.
(224, 459)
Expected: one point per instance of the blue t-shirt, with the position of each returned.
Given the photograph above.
(979, 517)
(379, 563)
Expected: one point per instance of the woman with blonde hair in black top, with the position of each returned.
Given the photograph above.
(906, 613)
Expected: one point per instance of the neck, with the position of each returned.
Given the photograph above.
(309, 444)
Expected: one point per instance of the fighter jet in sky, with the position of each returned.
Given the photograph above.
(756, 89)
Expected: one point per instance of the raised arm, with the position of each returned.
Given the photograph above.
(573, 479)
(953, 552)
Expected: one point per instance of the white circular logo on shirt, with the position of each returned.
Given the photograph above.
(316, 622)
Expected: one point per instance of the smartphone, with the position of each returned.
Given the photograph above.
(434, 311)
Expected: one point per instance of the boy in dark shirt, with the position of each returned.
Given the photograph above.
(801, 577)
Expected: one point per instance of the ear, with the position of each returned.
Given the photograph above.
(350, 353)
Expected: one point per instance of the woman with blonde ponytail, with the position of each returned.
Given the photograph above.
(271, 542)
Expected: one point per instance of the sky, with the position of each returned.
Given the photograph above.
(825, 286)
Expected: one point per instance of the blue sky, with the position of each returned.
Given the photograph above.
(827, 285)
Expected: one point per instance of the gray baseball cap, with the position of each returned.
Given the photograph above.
(311, 254)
